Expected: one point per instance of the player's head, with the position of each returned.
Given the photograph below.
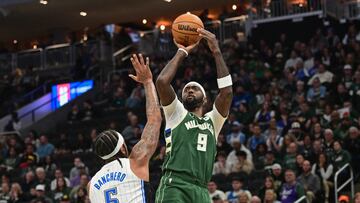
(110, 145)
(193, 96)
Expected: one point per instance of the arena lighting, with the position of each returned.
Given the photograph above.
(168, 1)
(35, 46)
(43, 2)
(15, 41)
(162, 27)
(82, 13)
(234, 7)
(144, 21)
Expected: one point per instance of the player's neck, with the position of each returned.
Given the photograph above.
(198, 112)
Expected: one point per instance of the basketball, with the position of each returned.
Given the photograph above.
(184, 29)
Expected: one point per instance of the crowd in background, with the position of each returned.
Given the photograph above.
(294, 122)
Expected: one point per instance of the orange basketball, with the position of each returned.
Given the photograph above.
(184, 29)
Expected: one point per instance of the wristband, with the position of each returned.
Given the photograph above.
(224, 81)
(183, 50)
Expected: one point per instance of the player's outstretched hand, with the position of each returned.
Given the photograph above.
(210, 38)
(142, 69)
(188, 48)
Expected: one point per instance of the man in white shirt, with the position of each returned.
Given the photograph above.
(324, 75)
(292, 61)
(214, 192)
(232, 158)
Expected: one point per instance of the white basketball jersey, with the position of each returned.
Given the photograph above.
(116, 184)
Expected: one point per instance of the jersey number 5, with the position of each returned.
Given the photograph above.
(110, 192)
(202, 142)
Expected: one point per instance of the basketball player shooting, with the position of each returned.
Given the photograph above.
(121, 179)
(190, 134)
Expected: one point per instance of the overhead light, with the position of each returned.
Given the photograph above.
(43, 2)
(142, 34)
(82, 13)
(162, 27)
(144, 21)
(15, 41)
(35, 46)
(168, 1)
(234, 7)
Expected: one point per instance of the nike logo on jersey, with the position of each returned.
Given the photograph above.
(113, 176)
(205, 126)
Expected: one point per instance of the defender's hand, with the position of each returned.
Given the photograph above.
(210, 38)
(142, 69)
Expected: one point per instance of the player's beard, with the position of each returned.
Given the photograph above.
(192, 104)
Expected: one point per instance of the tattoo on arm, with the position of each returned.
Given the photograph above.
(145, 148)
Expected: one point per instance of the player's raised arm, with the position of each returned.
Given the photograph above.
(224, 98)
(145, 148)
(163, 82)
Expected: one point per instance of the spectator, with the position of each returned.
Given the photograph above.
(316, 92)
(84, 180)
(236, 133)
(118, 99)
(81, 144)
(129, 132)
(29, 159)
(40, 195)
(220, 164)
(16, 193)
(341, 156)
(28, 181)
(291, 190)
(88, 112)
(269, 161)
(270, 196)
(49, 166)
(352, 145)
(214, 192)
(233, 195)
(232, 158)
(292, 61)
(45, 148)
(269, 184)
(277, 175)
(5, 192)
(222, 144)
(324, 170)
(136, 98)
(41, 178)
(77, 179)
(256, 138)
(274, 141)
(58, 174)
(74, 115)
(61, 190)
(242, 164)
(309, 181)
(14, 124)
(299, 164)
(81, 195)
(75, 171)
(357, 198)
(289, 161)
(243, 197)
(12, 159)
(255, 199)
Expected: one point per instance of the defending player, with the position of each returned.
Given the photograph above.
(121, 179)
(190, 135)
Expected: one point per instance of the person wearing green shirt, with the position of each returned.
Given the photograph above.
(191, 133)
(341, 156)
